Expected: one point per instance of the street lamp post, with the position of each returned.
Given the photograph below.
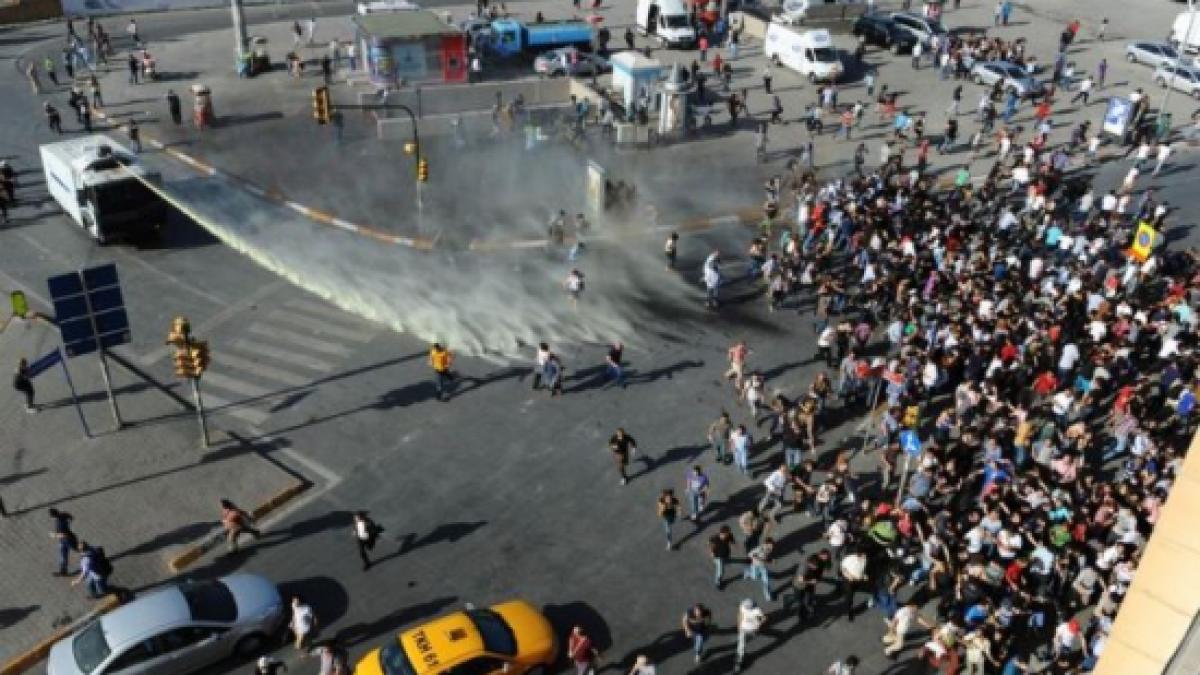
(239, 30)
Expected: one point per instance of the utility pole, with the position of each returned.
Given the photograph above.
(239, 29)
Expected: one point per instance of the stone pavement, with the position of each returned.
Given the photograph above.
(141, 493)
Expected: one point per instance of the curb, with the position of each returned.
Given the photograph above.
(193, 553)
(23, 662)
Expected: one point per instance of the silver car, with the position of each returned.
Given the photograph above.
(1153, 54)
(921, 27)
(569, 61)
(1179, 78)
(175, 631)
(1014, 77)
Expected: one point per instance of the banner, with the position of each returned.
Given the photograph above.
(1143, 241)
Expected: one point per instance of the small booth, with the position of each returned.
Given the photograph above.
(412, 46)
(675, 106)
(633, 75)
(202, 106)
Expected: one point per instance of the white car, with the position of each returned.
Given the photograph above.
(1179, 78)
(1153, 54)
(1015, 77)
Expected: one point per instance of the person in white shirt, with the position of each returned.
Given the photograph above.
(775, 483)
(750, 619)
(904, 621)
(1164, 152)
(643, 666)
(302, 624)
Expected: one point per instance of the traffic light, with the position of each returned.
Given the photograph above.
(198, 358)
(180, 330)
(183, 362)
(423, 170)
(321, 105)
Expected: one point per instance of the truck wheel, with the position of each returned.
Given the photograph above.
(775, 60)
(89, 226)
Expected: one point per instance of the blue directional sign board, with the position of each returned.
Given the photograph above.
(910, 443)
(89, 310)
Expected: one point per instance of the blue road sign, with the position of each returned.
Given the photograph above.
(89, 309)
(910, 443)
(45, 363)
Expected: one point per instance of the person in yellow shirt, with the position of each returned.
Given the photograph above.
(440, 359)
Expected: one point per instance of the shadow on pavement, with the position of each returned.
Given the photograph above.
(11, 616)
(566, 616)
(363, 631)
(180, 535)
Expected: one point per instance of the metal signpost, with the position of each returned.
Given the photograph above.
(910, 443)
(90, 313)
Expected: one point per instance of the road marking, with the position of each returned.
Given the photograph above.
(224, 358)
(209, 325)
(319, 326)
(219, 406)
(189, 287)
(283, 355)
(236, 386)
(314, 344)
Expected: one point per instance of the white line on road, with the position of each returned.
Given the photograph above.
(232, 384)
(322, 326)
(226, 358)
(283, 355)
(220, 406)
(285, 335)
(209, 325)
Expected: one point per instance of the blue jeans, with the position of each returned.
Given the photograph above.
(698, 640)
(667, 523)
(96, 585)
(719, 446)
(741, 458)
(696, 500)
(792, 456)
(760, 572)
(64, 555)
(1116, 448)
(615, 373)
(442, 380)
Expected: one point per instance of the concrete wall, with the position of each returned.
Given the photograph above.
(19, 11)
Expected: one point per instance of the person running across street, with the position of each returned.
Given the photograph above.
(236, 522)
(441, 359)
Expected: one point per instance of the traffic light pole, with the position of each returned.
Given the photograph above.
(198, 398)
(416, 138)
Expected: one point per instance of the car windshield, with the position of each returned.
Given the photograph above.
(497, 636)
(824, 55)
(394, 661)
(210, 601)
(90, 648)
(676, 21)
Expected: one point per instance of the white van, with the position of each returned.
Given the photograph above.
(809, 53)
(1179, 32)
(666, 20)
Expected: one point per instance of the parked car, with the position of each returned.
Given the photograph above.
(921, 27)
(1153, 54)
(1179, 78)
(175, 631)
(512, 637)
(882, 31)
(569, 61)
(1013, 76)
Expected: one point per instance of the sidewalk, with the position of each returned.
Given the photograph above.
(142, 493)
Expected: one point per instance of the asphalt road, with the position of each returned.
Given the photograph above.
(502, 492)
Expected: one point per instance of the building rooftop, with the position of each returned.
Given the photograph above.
(404, 24)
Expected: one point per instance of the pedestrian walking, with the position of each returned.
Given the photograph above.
(740, 442)
(668, 512)
(302, 624)
(852, 578)
(720, 550)
(622, 446)
(94, 570)
(540, 358)
(643, 666)
(697, 623)
(331, 660)
(917, 50)
(1101, 71)
(869, 80)
(64, 537)
(697, 484)
(718, 436)
(750, 619)
(1161, 156)
(847, 666)
(135, 135)
(297, 34)
(441, 360)
(131, 29)
(327, 69)
(900, 625)
(23, 382)
(671, 250)
(1085, 90)
(582, 652)
(574, 285)
(766, 78)
(85, 114)
(53, 118)
(760, 558)
(236, 523)
(1102, 30)
(174, 107)
(774, 485)
(804, 584)
(955, 101)
(311, 27)
(366, 534)
(134, 68)
(51, 72)
(737, 355)
(613, 371)
(552, 374)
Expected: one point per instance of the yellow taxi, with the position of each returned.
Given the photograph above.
(513, 638)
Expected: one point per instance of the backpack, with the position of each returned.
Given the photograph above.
(101, 565)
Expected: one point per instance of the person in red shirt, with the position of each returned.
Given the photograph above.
(1045, 384)
(581, 651)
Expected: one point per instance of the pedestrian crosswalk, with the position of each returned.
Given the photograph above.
(283, 352)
